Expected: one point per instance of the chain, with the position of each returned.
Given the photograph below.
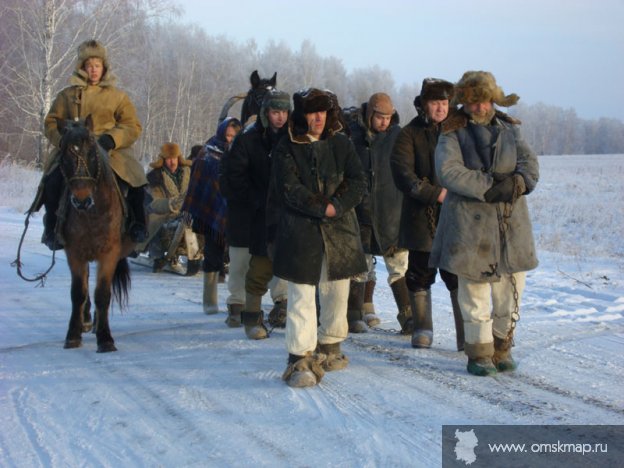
(431, 221)
(515, 315)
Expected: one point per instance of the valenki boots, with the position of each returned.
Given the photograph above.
(480, 359)
(354, 308)
(253, 318)
(459, 321)
(335, 360)
(233, 320)
(368, 309)
(502, 355)
(304, 371)
(210, 303)
(402, 299)
(422, 337)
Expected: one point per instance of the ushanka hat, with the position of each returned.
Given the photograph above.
(480, 86)
(434, 89)
(167, 151)
(91, 48)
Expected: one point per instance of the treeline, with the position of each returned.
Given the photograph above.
(179, 77)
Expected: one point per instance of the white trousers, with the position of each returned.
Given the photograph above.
(302, 333)
(239, 264)
(487, 307)
(396, 266)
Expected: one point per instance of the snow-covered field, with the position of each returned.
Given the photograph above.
(185, 390)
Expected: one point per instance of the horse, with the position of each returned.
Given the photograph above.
(253, 100)
(92, 231)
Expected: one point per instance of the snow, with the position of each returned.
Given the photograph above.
(185, 390)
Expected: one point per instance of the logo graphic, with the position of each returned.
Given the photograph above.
(464, 448)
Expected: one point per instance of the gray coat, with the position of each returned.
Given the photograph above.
(475, 239)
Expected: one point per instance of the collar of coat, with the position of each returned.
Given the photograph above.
(459, 119)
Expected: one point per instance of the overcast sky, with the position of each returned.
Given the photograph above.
(565, 53)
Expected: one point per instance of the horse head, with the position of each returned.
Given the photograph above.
(80, 161)
(253, 101)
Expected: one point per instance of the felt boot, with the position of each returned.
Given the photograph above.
(422, 337)
(402, 299)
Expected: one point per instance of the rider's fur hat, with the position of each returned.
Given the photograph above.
(91, 48)
(480, 86)
(169, 150)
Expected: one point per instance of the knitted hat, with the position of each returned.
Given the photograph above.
(380, 103)
(274, 99)
(91, 48)
(480, 86)
(169, 150)
(434, 89)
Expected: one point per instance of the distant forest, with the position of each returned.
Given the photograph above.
(179, 77)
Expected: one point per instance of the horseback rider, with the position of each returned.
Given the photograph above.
(116, 126)
(168, 181)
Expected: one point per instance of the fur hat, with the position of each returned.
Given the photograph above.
(274, 99)
(380, 103)
(169, 150)
(91, 48)
(311, 100)
(434, 89)
(480, 86)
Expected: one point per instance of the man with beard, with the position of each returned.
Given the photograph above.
(484, 235)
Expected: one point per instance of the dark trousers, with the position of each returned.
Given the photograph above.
(419, 276)
(214, 254)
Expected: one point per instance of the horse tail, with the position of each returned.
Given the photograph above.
(121, 283)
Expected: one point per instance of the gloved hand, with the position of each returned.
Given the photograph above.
(507, 190)
(106, 141)
(175, 204)
(500, 176)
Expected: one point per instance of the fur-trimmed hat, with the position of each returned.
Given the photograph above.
(91, 48)
(380, 103)
(480, 86)
(167, 151)
(311, 100)
(274, 99)
(434, 89)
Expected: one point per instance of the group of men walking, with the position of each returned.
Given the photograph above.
(308, 196)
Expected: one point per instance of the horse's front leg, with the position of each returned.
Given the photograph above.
(102, 297)
(79, 298)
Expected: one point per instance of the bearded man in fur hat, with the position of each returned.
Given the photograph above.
(413, 168)
(116, 126)
(484, 235)
(168, 181)
(318, 181)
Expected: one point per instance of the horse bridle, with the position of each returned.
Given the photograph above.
(82, 171)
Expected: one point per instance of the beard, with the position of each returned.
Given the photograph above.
(483, 118)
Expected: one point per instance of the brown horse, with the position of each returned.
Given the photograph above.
(93, 231)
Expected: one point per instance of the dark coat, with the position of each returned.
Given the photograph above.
(307, 177)
(248, 175)
(379, 213)
(476, 239)
(413, 168)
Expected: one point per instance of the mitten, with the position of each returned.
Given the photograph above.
(106, 141)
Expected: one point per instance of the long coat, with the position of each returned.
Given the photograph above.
(248, 174)
(379, 212)
(113, 114)
(308, 176)
(476, 239)
(165, 198)
(413, 168)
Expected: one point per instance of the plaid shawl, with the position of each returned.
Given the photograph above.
(203, 200)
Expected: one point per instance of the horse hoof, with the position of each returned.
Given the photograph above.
(69, 344)
(106, 348)
(87, 327)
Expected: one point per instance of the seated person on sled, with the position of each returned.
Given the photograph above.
(168, 181)
(117, 127)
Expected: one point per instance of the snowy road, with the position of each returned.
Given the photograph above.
(184, 390)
